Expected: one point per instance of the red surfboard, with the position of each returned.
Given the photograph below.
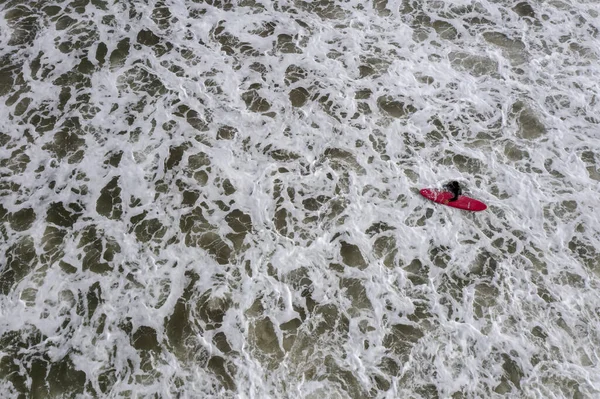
(463, 202)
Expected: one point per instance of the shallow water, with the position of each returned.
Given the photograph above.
(220, 199)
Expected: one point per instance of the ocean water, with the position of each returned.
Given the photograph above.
(219, 199)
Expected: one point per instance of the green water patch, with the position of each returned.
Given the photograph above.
(148, 230)
(442, 130)
(299, 280)
(342, 160)
(109, 203)
(120, 54)
(381, 6)
(265, 341)
(476, 65)
(101, 52)
(328, 319)
(22, 106)
(22, 219)
(239, 50)
(486, 298)
(514, 152)
(566, 210)
(294, 73)
(226, 132)
(113, 158)
(199, 233)
(352, 256)
(21, 260)
(299, 97)
(553, 382)
(485, 263)
(24, 23)
(17, 161)
(149, 353)
(180, 325)
(341, 376)
(144, 338)
(378, 228)
(419, 216)
(254, 101)
(32, 374)
(440, 256)
(385, 247)
(329, 104)
(363, 94)
(211, 309)
(379, 142)
(140, 79)
(286, 44)
(64, 22)
(511, 377)
(585, 252)
(528, 121)
(195, 221)
(464, 163)
(372, 67)
(394, 107)
(221, 342)
(400, 339)
(281, 155)
(190, 197)
(9, 70)
(445, 30)
(97, 250)
(525, 10)
(197, 120)
(25, 364)
(240, 223)
(451, 286)
(282, 220)
(266, 29)
(161, 15)
(52, 244)
(289, 331)
(43, 121)
(68, 141)
(389, 366)
(82, 35)
(14, 79)
(176, 156)
(224, 370)
(592, 162)
(93, 299)
(417, 272)
(513, 49)
(354, 290)
(147, 38)
(325, 9)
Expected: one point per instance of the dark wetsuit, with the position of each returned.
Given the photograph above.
(455, 189)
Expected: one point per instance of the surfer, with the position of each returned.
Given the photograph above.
(451, 195)
(454, 188)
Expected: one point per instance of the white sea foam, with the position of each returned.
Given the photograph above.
(220, 199)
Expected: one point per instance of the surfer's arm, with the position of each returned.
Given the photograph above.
(456, 195)
(454, 188)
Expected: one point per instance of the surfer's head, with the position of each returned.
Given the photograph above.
(454, 188)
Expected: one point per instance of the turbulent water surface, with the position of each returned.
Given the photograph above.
(212, 198)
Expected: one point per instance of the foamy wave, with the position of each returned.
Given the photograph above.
(220, 199)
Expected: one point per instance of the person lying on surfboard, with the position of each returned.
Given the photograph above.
(451, 195)
(454, 188)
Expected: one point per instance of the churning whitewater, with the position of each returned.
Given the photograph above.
(220, 199)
